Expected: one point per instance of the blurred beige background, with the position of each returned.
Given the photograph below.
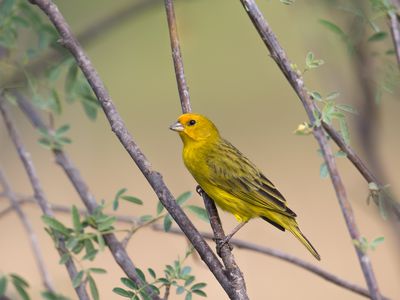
(234, 82)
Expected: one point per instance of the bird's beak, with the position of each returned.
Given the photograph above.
(176, 127)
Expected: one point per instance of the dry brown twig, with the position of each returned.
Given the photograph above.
(279, 56)
(234, 273)
(39, 195)
(37, 252)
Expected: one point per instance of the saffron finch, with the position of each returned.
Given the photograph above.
(231, 179)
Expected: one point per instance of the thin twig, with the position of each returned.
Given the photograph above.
(287, 258)
(39, 195)
(234, 273)
(40, 262)
(395, 31)
(279, 56)
(177, 57)
(359, 164)
(119, 128)
(236, 242)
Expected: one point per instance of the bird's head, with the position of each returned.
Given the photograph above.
(195, 127)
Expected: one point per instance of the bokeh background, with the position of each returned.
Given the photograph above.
(233, 81)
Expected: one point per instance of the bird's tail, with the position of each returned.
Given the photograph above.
(293, 228)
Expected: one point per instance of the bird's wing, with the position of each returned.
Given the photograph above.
(237, 175)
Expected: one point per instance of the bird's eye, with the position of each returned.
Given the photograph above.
(191, 122)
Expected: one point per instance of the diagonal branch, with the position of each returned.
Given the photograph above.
(119, 128)
(38, 255)
(233, 271)
(395, 31)
(39, 195)
(295, 80)
(236, 242)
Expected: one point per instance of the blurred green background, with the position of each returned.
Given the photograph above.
(233, 81)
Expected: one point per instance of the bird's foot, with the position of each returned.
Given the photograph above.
(199, 190)
(220, 243)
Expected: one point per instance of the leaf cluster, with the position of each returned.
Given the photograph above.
(176, 276)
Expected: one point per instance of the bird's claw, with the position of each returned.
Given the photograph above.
(199, 190)
(221, 243)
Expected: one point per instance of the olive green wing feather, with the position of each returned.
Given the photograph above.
(237, 175)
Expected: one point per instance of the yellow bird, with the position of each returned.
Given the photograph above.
(231, 179)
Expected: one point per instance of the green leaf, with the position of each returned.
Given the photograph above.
(152, 273)
(63, 140)
(327, 111)
(185, 271)
(188, 296)
(132, 200)
(286, 2)
(378, 36)
(6, 7)
(376, 242)
(311, 62)
(198, 286)
(76, 219)
(55, 103)
(332, 95)
(122, 292)
(167, 223)
(340, 153)
(160, 207)
(120, 193)
(200, 212)
(98, 270)
(309, 58)
(332, 27)
(71, 243)
(189, 280)
(106, 224)
(71, 80)
(78, 279)
(315, 96)
(90, 106)
(347, 108)
(64, 258)
(47, 295)
(344, 130)
(183, 197)
(117, 196)
(56, 225)
(22, 292)
(199, 292)
(129, 283)
(90, 255)
(155, 289)
(323, 171)
(180, 290)
(18, 280)
(63, 129)
(93, 288)
(3, 285)
(100, 241)
(145, 218)
(382, 206)
(141, 274)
